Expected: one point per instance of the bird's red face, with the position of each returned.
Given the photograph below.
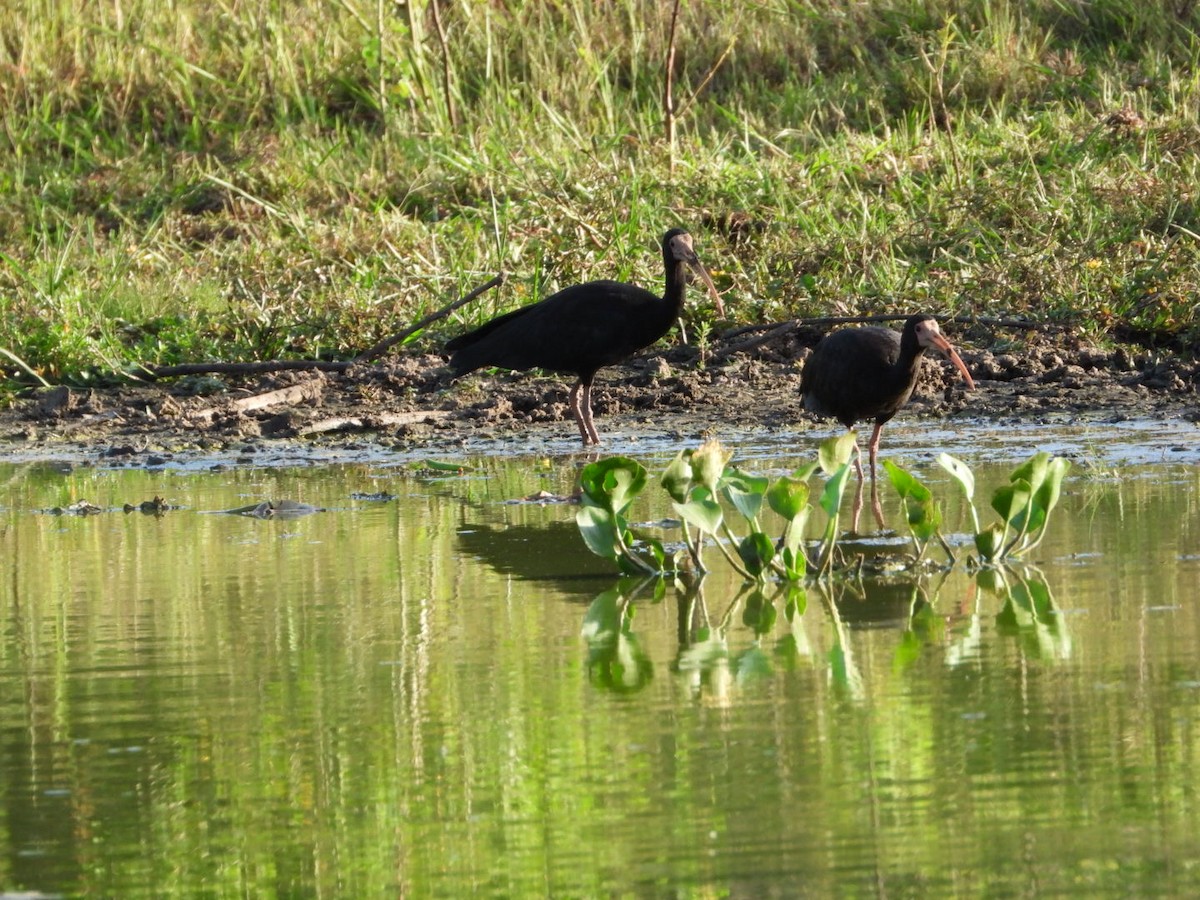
(681, 251)
(929, 335)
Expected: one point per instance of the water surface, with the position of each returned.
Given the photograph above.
(396, 696)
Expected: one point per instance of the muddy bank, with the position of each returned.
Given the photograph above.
(411, 403)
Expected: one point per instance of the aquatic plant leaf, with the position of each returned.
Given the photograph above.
(598, 527)
(835, 452)
(613, 482)
(1032, 471)
(655, 548)
(758, 613)
(989, 542)
(959, 472)
(924, 518)
(631, 566)
(788, 497)
(806, 472)
(795, 563)
(677, 477)
(756, 551)
(835, 487)
(905, 483)
(1010, 500)
(796, 603)
(602, 622)
(1050, 490)
(708, 463)
(701, 512)
(744, 492)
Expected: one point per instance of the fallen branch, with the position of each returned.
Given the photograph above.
(382, 347)
(775, 330)
(243, 368)
(751, 343)
(317, 365)
(305, 392)
(371, 422)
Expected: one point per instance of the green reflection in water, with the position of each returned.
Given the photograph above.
(395, 698)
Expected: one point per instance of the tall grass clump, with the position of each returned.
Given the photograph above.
(195, 180)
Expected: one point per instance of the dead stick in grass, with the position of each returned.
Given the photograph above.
(318, 365)
(382, 347)
(669, 89)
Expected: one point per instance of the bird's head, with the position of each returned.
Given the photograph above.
(928, 335)
(677, 246)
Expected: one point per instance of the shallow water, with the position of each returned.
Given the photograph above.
(396, 696)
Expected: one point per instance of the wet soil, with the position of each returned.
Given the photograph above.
(411, 404)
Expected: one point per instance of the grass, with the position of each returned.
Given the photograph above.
(220, 180)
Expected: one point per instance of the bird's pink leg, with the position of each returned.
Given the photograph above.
(873, 450)
(574, 402)
(586, 404)
(858, 493)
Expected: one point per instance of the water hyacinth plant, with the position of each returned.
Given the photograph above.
(719, 504)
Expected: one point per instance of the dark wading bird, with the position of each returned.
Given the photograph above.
(869, 373)
(583, 328)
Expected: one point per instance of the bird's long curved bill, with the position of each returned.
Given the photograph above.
(951, 354)
(695, 263)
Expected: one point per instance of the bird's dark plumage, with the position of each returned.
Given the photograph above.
(870, 373)
(583, 328)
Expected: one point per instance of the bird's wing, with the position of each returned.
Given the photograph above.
(577, 330)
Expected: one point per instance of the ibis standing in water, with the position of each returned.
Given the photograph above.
(583, 328)
(869, 373)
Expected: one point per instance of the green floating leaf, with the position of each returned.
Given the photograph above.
(989, 542)
(602, 622)
(905, 483)
(795, 563)
(613, 482)
(677, 478)
(835, 487)
(806, 472)
(599, 528)
(924, 519)
(756, 551)
(759, 613)
(1050, 490)
(702, 512)
(959, 472)
(1010, 500)
(796, 603)
(788, 497)
(744, 492)
(835, 452)
(1032, 471)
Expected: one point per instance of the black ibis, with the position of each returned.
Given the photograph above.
(865, 373)
(584, 327)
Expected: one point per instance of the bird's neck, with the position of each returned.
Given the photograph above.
(676, 287)
(909, 360)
